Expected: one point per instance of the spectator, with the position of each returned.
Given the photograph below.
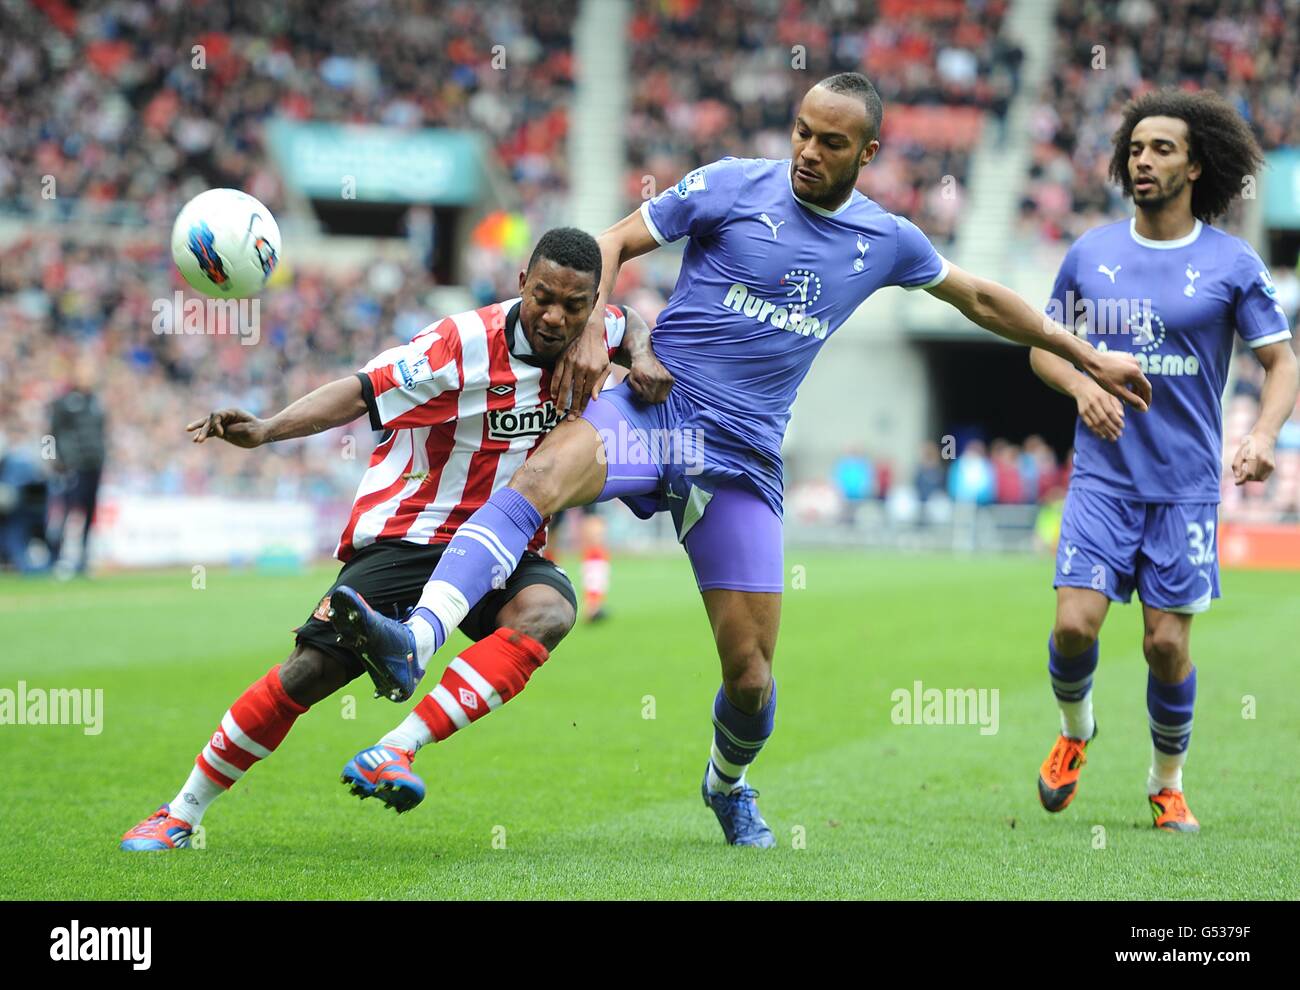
(929, 478)
(77, 426)
(971, 479)
(23, 501)
(1008, 486)
(854, 477)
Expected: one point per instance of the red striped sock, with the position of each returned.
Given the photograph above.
(484, 677)
(255, 725)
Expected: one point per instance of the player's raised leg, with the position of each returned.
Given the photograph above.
(736, 551)
(251, 729)
(598, 457)
(1072, 651)
(537, 614)
(1171, 698)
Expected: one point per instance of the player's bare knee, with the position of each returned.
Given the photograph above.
(310, 675)
(1074, 633)
(1165, 653)
(546, 618)
(747, 679)
(538, 481)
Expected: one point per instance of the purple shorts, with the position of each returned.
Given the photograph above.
(731, 534)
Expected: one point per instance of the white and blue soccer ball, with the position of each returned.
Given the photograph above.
(226, 244)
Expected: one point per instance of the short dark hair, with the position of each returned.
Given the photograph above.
(1217, 137)
(857, 85)
(569, 247)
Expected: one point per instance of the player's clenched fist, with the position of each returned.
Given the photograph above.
(1254, 460)
(236, 426)
(649, 379)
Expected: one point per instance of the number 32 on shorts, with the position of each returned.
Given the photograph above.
(1200, 542)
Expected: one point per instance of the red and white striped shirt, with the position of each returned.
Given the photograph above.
(465, 404)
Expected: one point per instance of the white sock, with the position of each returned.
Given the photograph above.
(1166, 771)
(719, 762)
(194, 797)
(1076, 718)
(450, 607)
(410, 735)
(426, 642)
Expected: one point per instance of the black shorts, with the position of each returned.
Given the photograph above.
(390, 574)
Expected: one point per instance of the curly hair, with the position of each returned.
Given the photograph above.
(1218, 138)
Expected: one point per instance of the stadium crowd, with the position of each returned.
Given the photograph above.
(134, 107)
(711, 80)
(1108, 51)
(108, 103)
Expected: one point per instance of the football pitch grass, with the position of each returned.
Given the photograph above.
(574, 791)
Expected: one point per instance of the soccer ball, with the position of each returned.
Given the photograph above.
(226, 244)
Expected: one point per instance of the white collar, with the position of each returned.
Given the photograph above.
(519, 346)
(1164, 245)
(819, 210)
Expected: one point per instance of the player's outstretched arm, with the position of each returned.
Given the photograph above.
(649, 379)
(1100, 411)
(1277, 399)
(329, 406)
(995, 307)
(583, 368)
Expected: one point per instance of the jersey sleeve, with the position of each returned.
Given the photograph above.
(1065, 290)
(416, 384)
(615, 327)
(1260, 318)
(917, 265)
(697, 204)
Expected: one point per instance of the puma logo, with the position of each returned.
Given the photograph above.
(774, 226)
(1109, 273)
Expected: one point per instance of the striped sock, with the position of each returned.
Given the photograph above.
(1169, 707)
(250, 731)
(737, 739)
(1072, 685)
(482, 679)
(481, 556)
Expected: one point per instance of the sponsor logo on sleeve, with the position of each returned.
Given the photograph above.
(413, 374)
(691, 182)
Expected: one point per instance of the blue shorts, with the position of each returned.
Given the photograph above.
(731, 533)
(1168, 551)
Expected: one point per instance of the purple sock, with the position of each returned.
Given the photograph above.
(481, 556)
(1169, 707)
(1072, 676)
(738, 737)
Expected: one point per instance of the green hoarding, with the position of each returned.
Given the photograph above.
(1282, 189)
(378, 164)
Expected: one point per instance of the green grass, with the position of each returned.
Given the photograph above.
(597, 801)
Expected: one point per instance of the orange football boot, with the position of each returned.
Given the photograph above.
(1170, 812)
(1058, 777)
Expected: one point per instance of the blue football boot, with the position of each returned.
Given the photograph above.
(384, 772)
(739, 816)
(385, 646)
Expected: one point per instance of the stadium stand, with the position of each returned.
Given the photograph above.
(95, 100)
(1109, 51)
